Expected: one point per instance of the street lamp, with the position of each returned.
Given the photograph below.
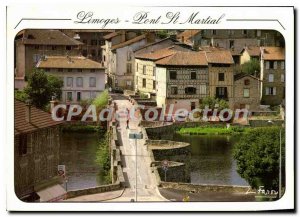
(136, 136)
(279, 192)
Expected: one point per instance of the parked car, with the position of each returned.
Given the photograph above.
(118, 90)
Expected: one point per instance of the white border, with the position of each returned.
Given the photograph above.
(285, 15)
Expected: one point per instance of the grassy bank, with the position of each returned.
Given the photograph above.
(79, 128)
(213, 130)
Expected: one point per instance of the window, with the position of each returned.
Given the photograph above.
(221, 76)
(79, 81)
(173, 75)
(144, 70)
(60, 70)
(193, 75)
(214, 32)
(282, 77)
(104, 58)
(129, 68)
(154, 85)
(84, 53)
(93, 42)
(54, 47)
(282, 64)
(267, 64)
(128, 55)
(92, 82)
(190, 90)
(137, 67)
(144, 82)
(246, 82)
(101, 42)
(275, 65)
(154, 71)
(23, 144)
(271, 64)
(246, 92)
(128, 83)
(78, 96)
(221, 92)
(93, 52)
(36, 47)
(231, 43)
(193, 105)
(270, 90)
(70, 96)
(93, 94)
(244, 32)
(69, 82)
(68, 47)
(174, 90)
(271, 78)
(258, 33)
(202, 89)
(84, 41)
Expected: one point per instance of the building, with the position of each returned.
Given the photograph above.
(272, 75)
(182, 80)
(31, 45)
(220, 70)
(145, 63)
(246, 92)
(83, 78)
(190, 37)
(122, 60)
(92, 39)
(36, 154)
(250, 53)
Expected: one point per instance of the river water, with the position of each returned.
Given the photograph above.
(212, 159)
(78, 154)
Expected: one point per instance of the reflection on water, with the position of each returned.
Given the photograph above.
(212, 160)
(78, 153)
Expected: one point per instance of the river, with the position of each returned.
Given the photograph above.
(78, 154)
(212, 159)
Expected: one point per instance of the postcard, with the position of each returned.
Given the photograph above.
(150, 108)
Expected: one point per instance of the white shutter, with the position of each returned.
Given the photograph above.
(282, 77)
(267, 91)
(274, 90)
(271, 78)
(275, 64)
(282, 64)
(267, 64)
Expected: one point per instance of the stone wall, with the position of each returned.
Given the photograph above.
(265, 123)
(196, 188)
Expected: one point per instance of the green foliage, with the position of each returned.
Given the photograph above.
(41, 87)
(213, 130)
(143, 95)
(257, 156)
(103, 158)
(21, 95)
(250, 67)
(212, 101)
(101, 100)
(162, 34)
(81, 128)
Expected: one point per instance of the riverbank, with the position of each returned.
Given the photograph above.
(213, 130)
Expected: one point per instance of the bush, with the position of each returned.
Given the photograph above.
(101, 100)
(251, 67)
(103, 158)
(212, 101)
(257, 156)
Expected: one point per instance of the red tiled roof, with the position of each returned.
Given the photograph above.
(39, 119)
(184, 59)
(221, 56)
(187, 34)
(47, 37)
(273, 53)
(129, 42)
(253, 50)
(71, 62)
(158, 54)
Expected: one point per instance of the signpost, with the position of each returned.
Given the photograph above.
(165, 167)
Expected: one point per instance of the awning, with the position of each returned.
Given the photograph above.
(53, 193)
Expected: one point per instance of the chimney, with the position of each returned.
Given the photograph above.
(28, 111)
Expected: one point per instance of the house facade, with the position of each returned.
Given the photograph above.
(246, 92)
(83, 78)
(272, 75)
(32, 45)
(182, 80)
(250, 53)
(36, 154)
(220, 70)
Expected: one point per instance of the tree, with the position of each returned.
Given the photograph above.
(212, 101)
(251, 67)
(41, 87)
(257, 156)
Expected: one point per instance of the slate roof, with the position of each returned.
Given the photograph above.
(39, 119)
(70, 62)
(47, 37)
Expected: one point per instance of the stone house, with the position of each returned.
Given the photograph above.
(190, 37)
(182, 79)
(32, 44)
(36, 154)
(220, 71)
(145, 63)
(83, 78)
(250, 53)
(272, 75)
(246, 92)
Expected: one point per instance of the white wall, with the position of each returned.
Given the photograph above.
(161, 79)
